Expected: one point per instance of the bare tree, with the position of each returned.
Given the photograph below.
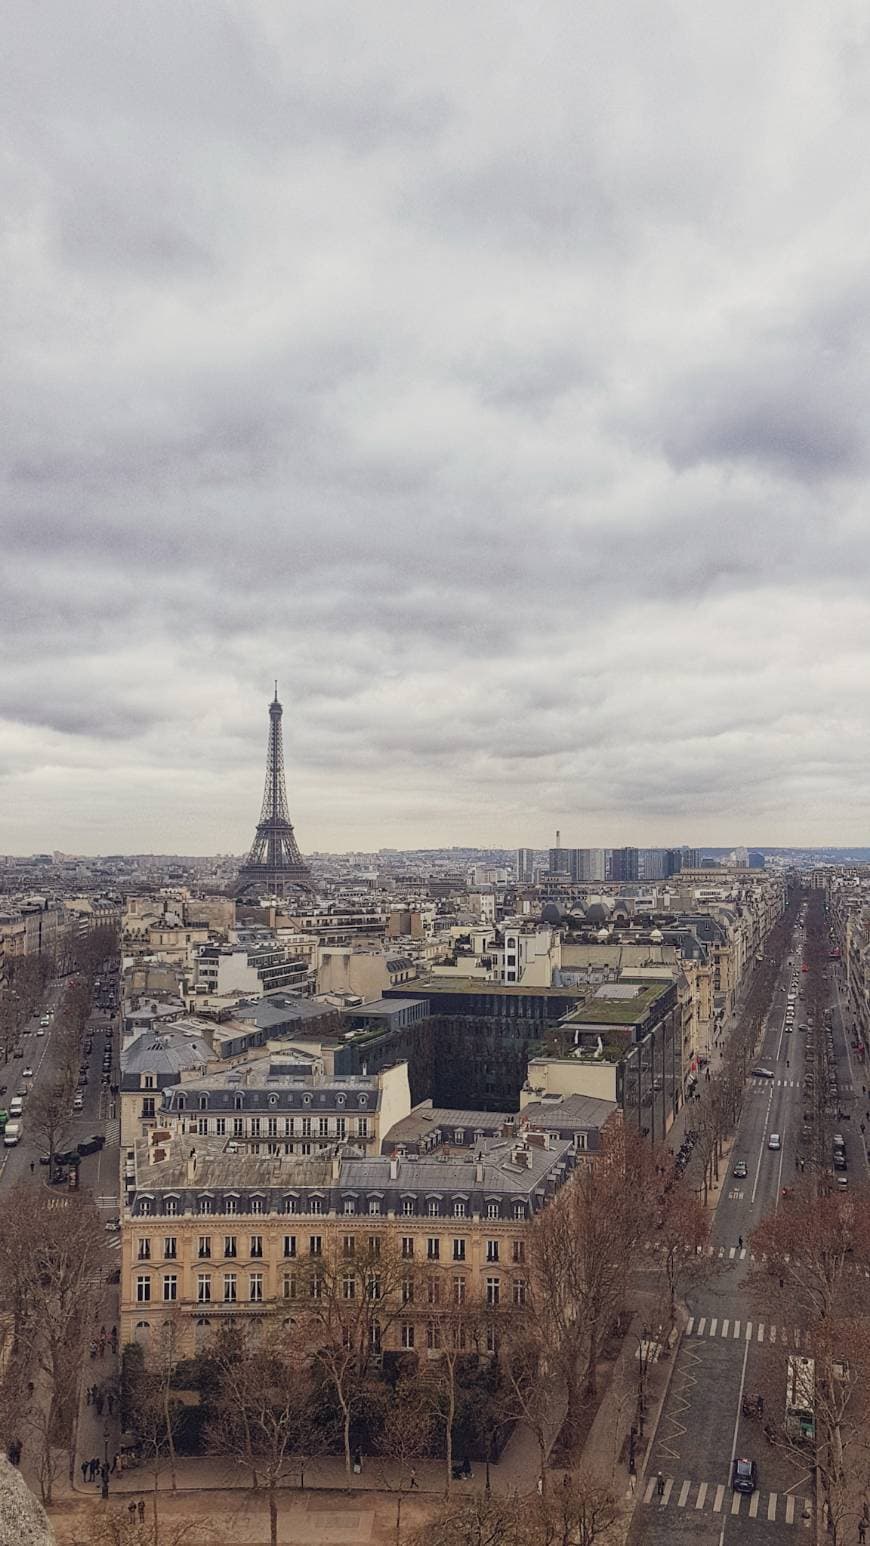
(263, 1406)
(48, 1114)
(347, 1298)
(581, 1511)
(404, 1438)
(531, 1391)
(478, 1519)
(680, 1242)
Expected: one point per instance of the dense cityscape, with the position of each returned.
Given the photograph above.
(434, 814)
(524, 1189)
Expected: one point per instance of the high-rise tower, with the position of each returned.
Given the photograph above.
(274, 863)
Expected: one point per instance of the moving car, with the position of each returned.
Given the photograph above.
(78, 1103)
(774, 1141)
(744, 1475)
(16, 1105)
(40, 1030)
(763, 1073)
(27, 1072)
(11, 1134)
(740, 1170)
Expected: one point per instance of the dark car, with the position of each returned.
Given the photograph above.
(92, 1145)
(762, 1073)
(744, 1475)
(740, 1170)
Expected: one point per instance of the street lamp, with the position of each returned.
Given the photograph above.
(104, 1491)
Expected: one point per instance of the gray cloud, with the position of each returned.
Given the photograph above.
(495, 380)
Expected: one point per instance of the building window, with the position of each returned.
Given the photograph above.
(315, 1245)
(492, 1250)
(144, 1251)
(491, 1341)
(256, 1245)
(170, 1247)
(272, 1127)
(231, 1205)
(203, 1288)
(459, 1135)
(148, 1107)
(374, 1206)
(148, 1081)
(306, 1127)
(458, 1290)
(519, 1252)
(229, 1245)
(348, 1286)
(349, 1205)
(340, 1127)
(202, 1126)
(170, 1287)
(519, 1210)
(407, 1247)
(407, 1206)
(493, 1289)
(145, 1207)
(204, 1205)
(433, 1291)
(170, 1206)
(315, 1205)
(519, 1292)
(256, 1205)
(204, 1247)
(323, 1127)
(433, 1208)
(493, 1210)
(238, 1127)
(255, 1287)
(459, 1250)
(315, 1287)
(143, 1289)
(362, 1127)
(408, 1335)
(289, 1204)
(407, 1291)
(230, 1281)
(459, 1209)
(433, 1336)
(433, 1248)
(220, 1126)
(255, 1127)
(289, 1282)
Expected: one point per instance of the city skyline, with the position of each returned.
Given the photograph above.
(499, 388)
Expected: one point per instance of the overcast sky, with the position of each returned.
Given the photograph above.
(494, 375)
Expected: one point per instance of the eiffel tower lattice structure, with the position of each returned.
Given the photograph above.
(274, 864)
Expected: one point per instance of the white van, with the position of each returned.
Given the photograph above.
(16, 1106)
(11, 1134)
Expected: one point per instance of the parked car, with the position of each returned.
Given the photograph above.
(762, 1073)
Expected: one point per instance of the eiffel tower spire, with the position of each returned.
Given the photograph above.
(274, 863)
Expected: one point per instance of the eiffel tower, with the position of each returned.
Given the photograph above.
(274, 864)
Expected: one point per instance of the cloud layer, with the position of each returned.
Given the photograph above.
(494, 377)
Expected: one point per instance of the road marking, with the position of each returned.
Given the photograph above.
(684, 1493)
(702, 1495)
(736, 1329)
(771, 1506)
(773, 1333)
(735, 1503)
(667, 1492)
(650, 1489)
(749, 1331)
(713, 1324)
(690, 1325)
(717, 1501)
(761, 1331)
(789, 1511)
(732, 1253)
(725, 1328)
(701, 1324)
(753, 1505)
(743, 1254)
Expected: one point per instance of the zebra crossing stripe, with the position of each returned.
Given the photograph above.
(702, 1495)
(690, 1326)
(773, 1333)
(650, 1487)
(749, 1331)
(713, 1324)
(717, 1501)
(725, 1328)
(735, 1503)
(761, 1332)
(667, 1492)
(743, 1254)
(701, 1324)
(753, 1504)
(789, 1510)
(684, 1493)
(771, 1506)
(736, 1329)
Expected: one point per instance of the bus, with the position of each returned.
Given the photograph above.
(800, 1398)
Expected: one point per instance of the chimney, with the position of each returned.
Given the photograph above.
(394, 1167)
(191, 1167)
(478, 1169)
(336, 1165)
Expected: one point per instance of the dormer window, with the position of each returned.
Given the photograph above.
(203, 1103)
(363, 1100)
(238, 1103)
(181, 1103)
(148, 1082)
(273, 1100)
(339, 1100)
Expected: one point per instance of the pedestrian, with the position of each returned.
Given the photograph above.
(141, 1507)
(99, 1403)
(115, 1458)
(32, 1166)
(740, 1242)
(131, 1510)
(110, 1401)
(632, 1480)
(660, 1485)
(412, 1481)
(90, 1470)
(88, 1394)
(84, 1471)
(862, 1532)
(759, 1405)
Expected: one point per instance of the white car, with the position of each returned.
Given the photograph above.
(774, 1141)
(27, 1072)
(78, 1103)
(40, 1031)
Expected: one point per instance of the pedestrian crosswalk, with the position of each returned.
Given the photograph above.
(776, 1084)
(114, 1244)
(716, 1498)
(743, 1331)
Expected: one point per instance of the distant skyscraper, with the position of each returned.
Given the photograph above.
(651, 864)
(692, 858)
(274, 864)
(591, 864)
(526, 863)
(624, 864)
